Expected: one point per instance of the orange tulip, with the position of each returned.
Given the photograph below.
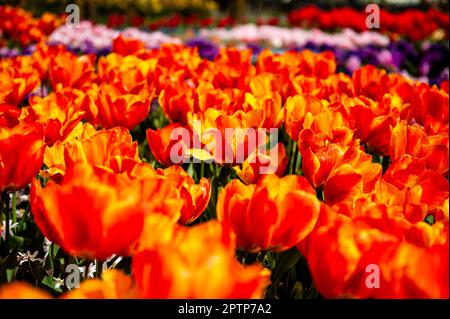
(125, 46)
(68, 70)
(271, 104)
(57, 113)
(16, 84)
(21, 155)
(195, 197)
(106, 208)
(227, 139)
(295, 110)
(355, 174)
(22, 290)
(89, 146)
(177, 101)
(370, 82)
(335, 250)
(162, 142)
(9, 115)
(129, 74)
(412, 140)
(328, 126)
(163, 189)
(372, 121)
(430, 109)
(113, 285)
(274, 214)
(109, 107)
(406, 271)
(233, 68)
(180, 268)
(230, 99)
(424, 190)
(258, 164)
(343, 172)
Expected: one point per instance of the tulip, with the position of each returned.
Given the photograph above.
(57, 113)
(68, 70)
(177, 102)
(162, 143)
(295, 110)
(429, 107)
(334, 252)
(227, 139)
(275, 214)
(113, 285)
(129, 74)
(22, 290)
(412, 140)
(195, 197)
(405, 271)
(105, 207)
(87, 145)
(259, 164)
(113, 108)
(125, 47)
(21, 155)
(15, 85)
(181, 269)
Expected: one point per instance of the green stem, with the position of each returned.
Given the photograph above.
(14, 205)
(291, 146)
(217, 168)
(5, 205)
(50, 255)
(202, 170)
(98, 271)
(294, 165)
(385, 161)
(291, 156)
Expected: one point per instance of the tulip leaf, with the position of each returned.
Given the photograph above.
(50, 282)
(17, 242)
(10, 274)
(297, 291)
(9, 267)
(37, 271)
(285, 261)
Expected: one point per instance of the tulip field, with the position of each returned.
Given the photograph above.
(298, 156)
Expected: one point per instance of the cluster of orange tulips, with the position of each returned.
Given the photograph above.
(361, 179)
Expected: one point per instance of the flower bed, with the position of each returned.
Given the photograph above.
(136, 168)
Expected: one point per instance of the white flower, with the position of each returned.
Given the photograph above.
(91, 271)
(12, 226)
(46, 247)
(59, 282)
(28, 257)
(117, 260)
(20, 212)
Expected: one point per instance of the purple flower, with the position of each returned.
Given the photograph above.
(206, 48)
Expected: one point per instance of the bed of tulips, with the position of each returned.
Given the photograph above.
(117, 167)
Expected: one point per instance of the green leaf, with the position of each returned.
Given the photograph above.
(17, 242)
(285, 261)
(50, 282)
(297, 291)
(11, 274)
